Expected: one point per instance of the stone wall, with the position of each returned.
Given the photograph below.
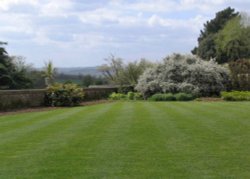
(14, 99)
(98, 93)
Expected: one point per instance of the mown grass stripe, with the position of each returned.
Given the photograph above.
(51, 139)
(210, 140)
(57, 143)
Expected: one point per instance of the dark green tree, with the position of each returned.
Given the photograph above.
(206, 42)
(12, 75)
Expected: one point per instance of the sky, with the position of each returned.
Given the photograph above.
(81, 33)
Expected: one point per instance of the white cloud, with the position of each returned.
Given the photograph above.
(155, 27)
(56, 8)
(6, 4)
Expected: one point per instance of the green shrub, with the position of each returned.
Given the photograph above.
(138, 96)
(131, 95)
(117, 96)
(184, 97)
(64, 95)
(162, 97)
(171, 97)
(236, 95)
(134, 96)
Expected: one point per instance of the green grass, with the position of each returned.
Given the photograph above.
(129, 140)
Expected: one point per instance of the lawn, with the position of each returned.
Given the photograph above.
(129, 140)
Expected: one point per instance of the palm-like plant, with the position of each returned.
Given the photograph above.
(49, 73)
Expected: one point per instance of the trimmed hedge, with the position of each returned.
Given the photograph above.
(171, 97)
(236, 95)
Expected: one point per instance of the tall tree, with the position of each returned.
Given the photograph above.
(206, 41)
(13, 72)
(233, 41)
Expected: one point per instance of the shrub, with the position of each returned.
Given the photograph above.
(236, 96)
(138, 96)
(134, 96)
(162, 97)
(117, 96)
(184, 97)
(64, 95)
(131, 95)
(184, 74)
(240, 74)
(172, 97)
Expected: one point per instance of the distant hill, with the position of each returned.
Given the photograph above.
(79, 70)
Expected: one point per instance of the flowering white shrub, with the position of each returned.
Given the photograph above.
(184, 73)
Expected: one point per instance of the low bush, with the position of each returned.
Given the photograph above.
(64, 95)
(172, 97)
(138, 96)
(236, 95)
(118, 96)
(134, 96)
(184, 97)
(131, 95)
(162, 97)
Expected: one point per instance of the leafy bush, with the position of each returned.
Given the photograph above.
(184, 97)
(138, 96)
(236, 96)
(162, 97)
(184, 74)
(64, 95)
(134, 96)
(172, 97)
(131, 95)
(117, 96)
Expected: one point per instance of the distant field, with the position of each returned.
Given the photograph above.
(129, 140)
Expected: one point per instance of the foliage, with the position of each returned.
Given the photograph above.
(88, 80)
(184, 97)
(240, 74)
(13, 71)
(129, 96)
(117, 96)
(206, 42)
(64, 95)
(184, 73)
(162, 97)
(49, 73)
(233, 41)
(119, 73)
(172, 97)
(138, 96)
(134, 96)
(236, 96)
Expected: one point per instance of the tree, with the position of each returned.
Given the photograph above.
(188, 74)
(233, 41)
(49, 73)
(13, 71)
(119, 73)
(206, 42)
